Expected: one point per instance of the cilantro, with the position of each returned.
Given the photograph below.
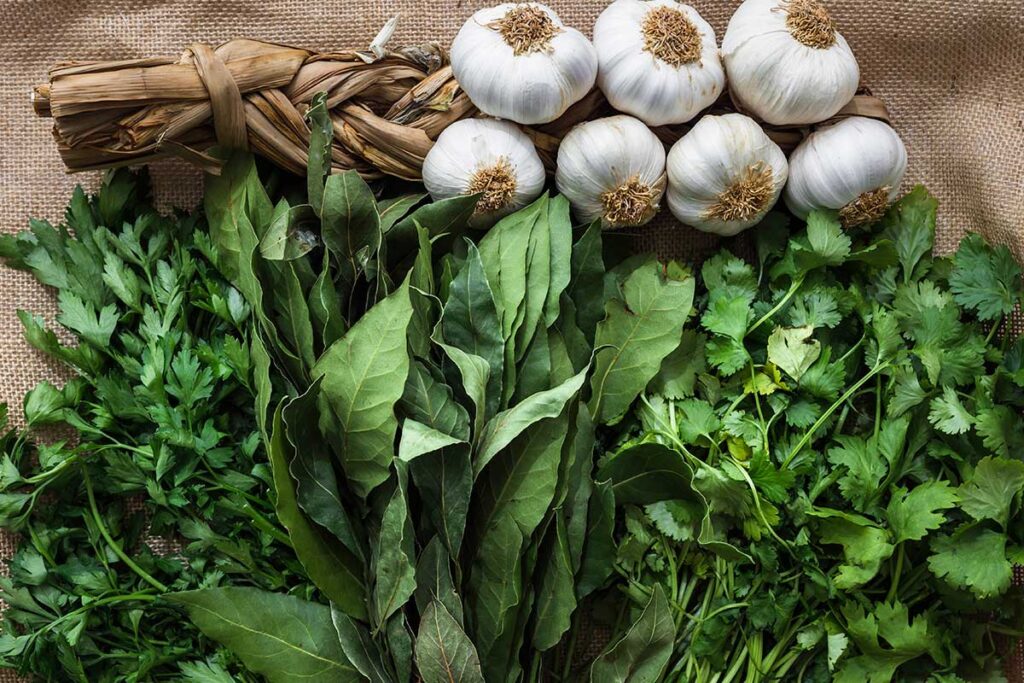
(986, 279)
(973, 558)
(867, 449)
(912, 514)
(793, 350)
(992, 488)
(948, 413)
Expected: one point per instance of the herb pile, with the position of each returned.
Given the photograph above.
(386, 446)
(429, 403)
(824, 480)
(153, 439)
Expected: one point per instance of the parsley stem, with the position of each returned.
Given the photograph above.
(809, 434)
(793, 288)
(110, 540)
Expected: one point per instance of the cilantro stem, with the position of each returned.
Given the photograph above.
(878, 404)
(809, 434)
(897, 572)
(110, 540)
(793, 288)
(996, 325)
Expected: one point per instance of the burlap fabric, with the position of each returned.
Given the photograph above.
(951, 73)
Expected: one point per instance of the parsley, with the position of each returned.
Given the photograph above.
(158, 445)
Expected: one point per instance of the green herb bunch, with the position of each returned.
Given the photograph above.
(431, 426)
(152, 442)
(824, 480)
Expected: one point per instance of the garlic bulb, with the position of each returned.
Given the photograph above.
(725, 175)
(855, 166)
(786, 62)
(612, 170)
(517, 61)
(657, 60)
(494, 158)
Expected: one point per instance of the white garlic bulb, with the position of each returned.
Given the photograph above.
(485, 156)
(657, 60)
(854, 166)
(786, 62)
(517, 61)
(725, 175)
(612, 170)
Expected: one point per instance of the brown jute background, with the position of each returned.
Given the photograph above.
(951, 73)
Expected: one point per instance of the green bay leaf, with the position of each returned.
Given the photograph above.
(637, 334)
(364, 375)
(279, 636)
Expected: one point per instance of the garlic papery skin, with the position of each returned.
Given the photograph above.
(725, 175)
(518, 61)
(657, 60)
(612, 170)
(854, 167)
(485, 156)
(786, 62)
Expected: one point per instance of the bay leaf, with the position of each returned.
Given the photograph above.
(321, 138)
(312, 467)
(359, 647)
(394, 209)
(643, 653)
(434, 580)
(279, 636)
(444, 653)
(469, 322)
(394, 553)
(509, 424)
(638, 332)
(364, 375)
(556, 596)
(427, 399)
(587, 278)
(350, 225)
(333, 569)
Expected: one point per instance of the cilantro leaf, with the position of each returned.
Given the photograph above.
(727, 317)
(728, 277)
(906, 639)
(864, 469)
(728, 355)
(907, 392)
(1001, 430)
(793, 350)
(948, 413)
(990, 491)
(678, 375)
(986, 280)
(912, 514)
(865, 545)
(676, 519)
(973, 558)
(910, 224)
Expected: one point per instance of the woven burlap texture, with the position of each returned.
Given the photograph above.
(951, 73)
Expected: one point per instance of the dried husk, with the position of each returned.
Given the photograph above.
(387, 107)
